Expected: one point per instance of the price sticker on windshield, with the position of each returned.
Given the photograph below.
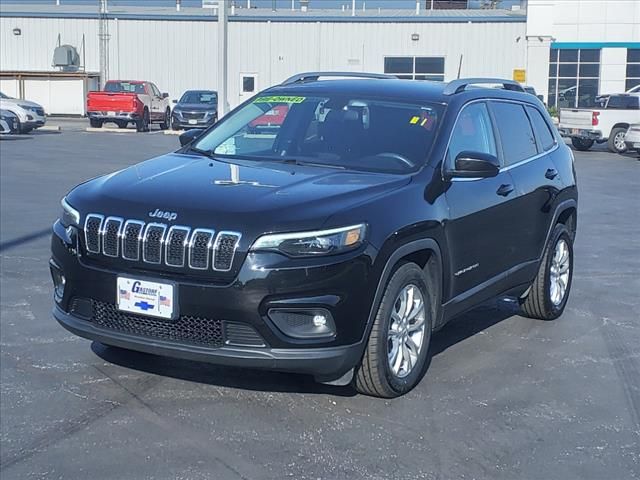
(280, 99)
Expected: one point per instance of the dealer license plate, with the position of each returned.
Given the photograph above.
(193, 122)
(146, 298)
(575, 131)
(111, 114)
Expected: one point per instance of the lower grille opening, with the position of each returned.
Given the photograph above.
(186, 329)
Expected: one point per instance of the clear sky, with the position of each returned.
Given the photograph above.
(284, 4)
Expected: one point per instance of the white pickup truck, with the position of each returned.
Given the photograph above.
(606, 124)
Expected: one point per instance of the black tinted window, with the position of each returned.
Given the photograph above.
(623, 102)
(541, 128)
(518, 142)
(473, 132)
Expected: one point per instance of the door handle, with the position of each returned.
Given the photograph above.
(505, 189)
(551, 173)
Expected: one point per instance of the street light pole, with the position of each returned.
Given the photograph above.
(223, 60)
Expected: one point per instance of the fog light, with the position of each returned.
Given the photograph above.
(59, 281)
(319, 320)
(304, 323)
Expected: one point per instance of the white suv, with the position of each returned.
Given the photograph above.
(30, 114)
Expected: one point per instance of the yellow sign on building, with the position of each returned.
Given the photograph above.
(520, 75)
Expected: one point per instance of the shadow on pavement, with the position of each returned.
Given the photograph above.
(24, 239)
(456, 331)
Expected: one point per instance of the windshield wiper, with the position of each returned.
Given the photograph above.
(305, 163)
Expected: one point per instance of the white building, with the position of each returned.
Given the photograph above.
(178, 50)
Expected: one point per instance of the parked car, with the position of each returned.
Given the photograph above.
(333, 246)
(601, 100)
(609, 124)
(30, 114)
(195, 109)
(632, 138)
(9, 122)
(123, 102)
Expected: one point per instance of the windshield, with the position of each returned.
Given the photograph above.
(209, 98)
(356, 133)
(124, 87)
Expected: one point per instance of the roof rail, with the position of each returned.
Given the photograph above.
(457, 86)
(313, 76)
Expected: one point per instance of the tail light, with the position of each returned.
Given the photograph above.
(594, 118)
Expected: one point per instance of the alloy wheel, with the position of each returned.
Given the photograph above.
(559, 272)
(406, 331)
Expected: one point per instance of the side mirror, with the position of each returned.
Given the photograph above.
(165, 95)
(540, 97)
(189, 136)
(175, 101)
(476, 165)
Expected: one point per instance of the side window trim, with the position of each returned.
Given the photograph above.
(536, 136)
(524, 105)
(448, 161)
(550, 128)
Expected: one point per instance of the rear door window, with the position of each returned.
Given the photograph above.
(541, 128)
(516, 134)
(473, 132)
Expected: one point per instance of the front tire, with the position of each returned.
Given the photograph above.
(582, 144)
(142, 124)
(616, 142)
(95, 123)
(549, 291)
(397, 350)
(167, 120)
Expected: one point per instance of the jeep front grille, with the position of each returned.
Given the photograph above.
(157, 243)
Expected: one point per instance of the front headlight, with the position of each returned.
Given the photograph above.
(31, 108)
(69, 216)
(310, 244)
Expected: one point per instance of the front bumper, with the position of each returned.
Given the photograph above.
(325, 363)
(340, 286)
(184, 124)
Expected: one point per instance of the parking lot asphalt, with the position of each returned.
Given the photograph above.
(505, 397)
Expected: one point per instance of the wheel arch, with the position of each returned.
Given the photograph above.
(426, 253)
(620, 125)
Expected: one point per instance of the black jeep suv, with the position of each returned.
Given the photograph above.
(371, 212)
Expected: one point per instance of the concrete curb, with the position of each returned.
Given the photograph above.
(111, 130)
(174, 132)
(50, 128)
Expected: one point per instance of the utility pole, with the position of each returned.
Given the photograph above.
(103, 38)
(223, 60)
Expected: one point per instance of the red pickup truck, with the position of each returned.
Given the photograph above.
(124, 101)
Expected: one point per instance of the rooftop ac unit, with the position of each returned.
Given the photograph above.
(66, 57)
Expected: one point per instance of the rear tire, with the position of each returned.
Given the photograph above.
(616, 140)
(167, 120)
(380, 374)
(582, 144)
(142, 124)
(122, 124)
(544, 300)
(95, 123)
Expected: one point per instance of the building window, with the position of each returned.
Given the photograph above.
(574, 77)
(415, 68)
(633, 68)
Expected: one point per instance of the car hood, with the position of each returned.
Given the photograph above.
(195, 107)
(249, 197)
(17, 101)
